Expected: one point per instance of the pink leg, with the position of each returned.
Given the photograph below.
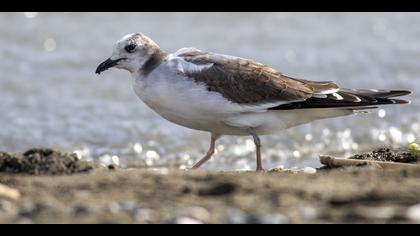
(210, 152)
(257, 142)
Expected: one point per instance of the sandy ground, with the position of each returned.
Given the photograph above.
(347, 195)
(145, 196)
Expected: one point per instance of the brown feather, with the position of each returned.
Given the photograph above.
(244, 81)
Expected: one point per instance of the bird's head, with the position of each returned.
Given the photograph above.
(130, 53)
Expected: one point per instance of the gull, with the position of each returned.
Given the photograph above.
(229, 95)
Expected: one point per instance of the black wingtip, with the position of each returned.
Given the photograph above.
(400, 101)
(398, 93)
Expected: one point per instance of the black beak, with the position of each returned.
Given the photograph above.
(107, 64)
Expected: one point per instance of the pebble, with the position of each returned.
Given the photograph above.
(240, 217)
(130, 207)
(197, 212)
(81, 209)
(32, 209)
(309, 170)
(24, 221)
(269, 219)
(308, 213)
(113, 207)
(141, 215)
(7, 207)
(184, 220)
(413, 213)
(9, 193)
(380, 213)
(144, 216)
(236, 217)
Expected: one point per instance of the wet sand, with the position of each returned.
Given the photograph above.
(103, 195)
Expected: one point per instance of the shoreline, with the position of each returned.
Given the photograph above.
(355, 194)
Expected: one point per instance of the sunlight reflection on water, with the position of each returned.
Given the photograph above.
(52, 98)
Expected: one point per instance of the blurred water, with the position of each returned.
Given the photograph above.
(50, 96)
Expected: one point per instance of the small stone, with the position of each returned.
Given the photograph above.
(186, 190)
(113, 207)
(131, 207)
(197, 212)
(380, 213)
(277, 169)
(32, 210)
(7, 207)
(309, 170)
(236, 217)
(144, 216)
(81, 209)
(183, 220)
(24, 221)
(9, 193)
(413, 213)
(308, 213)
(240, 217)
(269, 219)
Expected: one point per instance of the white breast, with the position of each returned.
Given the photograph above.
(182, 100)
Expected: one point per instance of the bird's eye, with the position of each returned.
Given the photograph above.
(130, 48)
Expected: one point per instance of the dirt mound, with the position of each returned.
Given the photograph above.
(386, 154)
(43, 162)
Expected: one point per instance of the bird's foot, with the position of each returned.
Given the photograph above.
(260, 171)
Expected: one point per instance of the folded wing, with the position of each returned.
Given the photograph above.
(246, 82)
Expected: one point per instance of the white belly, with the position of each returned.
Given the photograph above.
(186, 103)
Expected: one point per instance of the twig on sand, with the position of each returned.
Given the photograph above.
(335, 162)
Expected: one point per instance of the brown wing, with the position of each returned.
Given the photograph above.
(244, 81)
